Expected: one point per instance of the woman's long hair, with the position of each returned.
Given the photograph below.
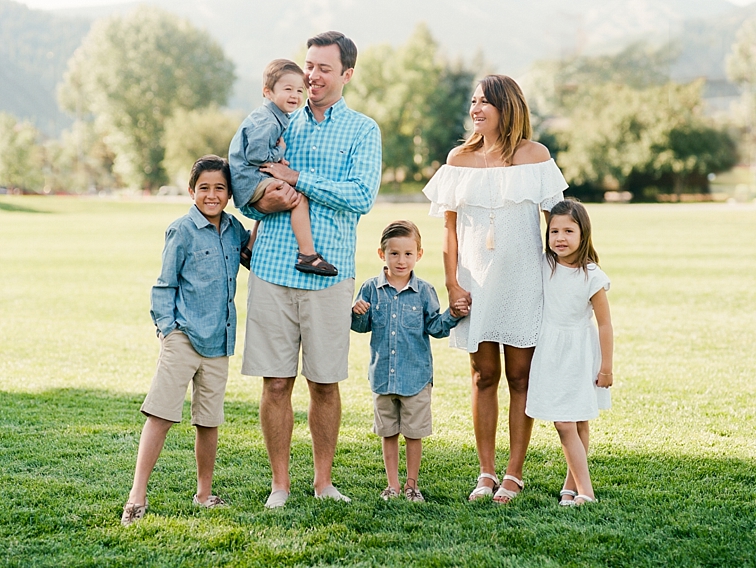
(514, 124)
(577, 212)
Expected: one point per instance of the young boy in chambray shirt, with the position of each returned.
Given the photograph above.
(402, 311)
(194, 313)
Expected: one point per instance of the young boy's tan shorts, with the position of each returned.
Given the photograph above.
(260, 189)
(409, 416)
(178, 365)
(280, 320)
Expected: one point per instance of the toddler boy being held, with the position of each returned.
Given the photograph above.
(194, 313)
(402, 311)
(259, 141)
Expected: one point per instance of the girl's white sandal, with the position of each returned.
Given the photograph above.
(508, 494)
(484, 490)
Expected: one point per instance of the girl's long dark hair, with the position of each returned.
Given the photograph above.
(577, 212)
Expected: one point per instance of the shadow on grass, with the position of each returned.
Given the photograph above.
(67, 457)
(11, 208)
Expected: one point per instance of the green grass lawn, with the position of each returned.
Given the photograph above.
(673, 463)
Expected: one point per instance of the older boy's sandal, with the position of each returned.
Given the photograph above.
(306, 263)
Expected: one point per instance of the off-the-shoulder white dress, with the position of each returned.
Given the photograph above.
(505, 282)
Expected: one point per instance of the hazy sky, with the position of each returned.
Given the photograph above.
(52, 4)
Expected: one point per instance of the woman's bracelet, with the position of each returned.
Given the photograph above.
(606, 374)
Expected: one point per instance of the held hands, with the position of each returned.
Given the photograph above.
(604, 380)
(360, 307)
(460, 301)
(460, 308)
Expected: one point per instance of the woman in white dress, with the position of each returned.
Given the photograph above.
(490, 193)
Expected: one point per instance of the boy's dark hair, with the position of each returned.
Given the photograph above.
(400, 229)
(277, 69)
(210, 163)
(346, 47)
(578, 213)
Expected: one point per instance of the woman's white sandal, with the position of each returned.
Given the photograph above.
(567, 502)
(484, 490)
(508, 494)
(586, 499)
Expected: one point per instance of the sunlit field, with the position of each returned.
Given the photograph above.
(673, 463)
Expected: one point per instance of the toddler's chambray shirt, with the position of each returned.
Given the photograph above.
(401, 323)
(195, 290)
(339, 165)
(254, 144)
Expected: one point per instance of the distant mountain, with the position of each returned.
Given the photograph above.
(34, 49)
(509, 34)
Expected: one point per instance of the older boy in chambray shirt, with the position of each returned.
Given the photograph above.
(195, 319)
(402, 311)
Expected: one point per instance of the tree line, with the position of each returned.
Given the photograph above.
(147, 91)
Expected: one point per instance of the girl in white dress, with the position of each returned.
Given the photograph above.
(572, 365)
(491, 193)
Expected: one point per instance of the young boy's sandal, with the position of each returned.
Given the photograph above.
(315, 264)
(209, 503)
(504, 495)
(413, 494)
(567, 502)
(133, 512)
(389, 493)
(484, 490)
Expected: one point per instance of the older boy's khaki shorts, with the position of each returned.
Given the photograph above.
(409, 416)
(281, 319)
(178, 365)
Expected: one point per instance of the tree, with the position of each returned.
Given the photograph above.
(619, 134)
(20, 155)
(418, 99)
(741, 69)
(79, 161)
(132, 73)
(557, 87)
(191, 134)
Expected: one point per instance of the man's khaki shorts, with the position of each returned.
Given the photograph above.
(281, 319)
(409, 416)
(178, 365)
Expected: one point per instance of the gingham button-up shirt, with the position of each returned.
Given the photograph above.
(339, 165)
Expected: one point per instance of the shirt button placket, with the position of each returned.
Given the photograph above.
(392, 358)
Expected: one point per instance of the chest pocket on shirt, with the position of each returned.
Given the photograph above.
(412, 316)
(208, 264)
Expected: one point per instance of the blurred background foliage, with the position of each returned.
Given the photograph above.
(146, 92)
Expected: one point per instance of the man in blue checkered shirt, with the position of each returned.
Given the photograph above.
(334, 159)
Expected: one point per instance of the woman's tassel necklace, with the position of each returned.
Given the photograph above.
(490, 235)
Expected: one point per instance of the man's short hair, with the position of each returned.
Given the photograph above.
(277, 69)
(346, 47)
(210, 163)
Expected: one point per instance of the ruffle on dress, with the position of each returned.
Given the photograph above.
(453, 187)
